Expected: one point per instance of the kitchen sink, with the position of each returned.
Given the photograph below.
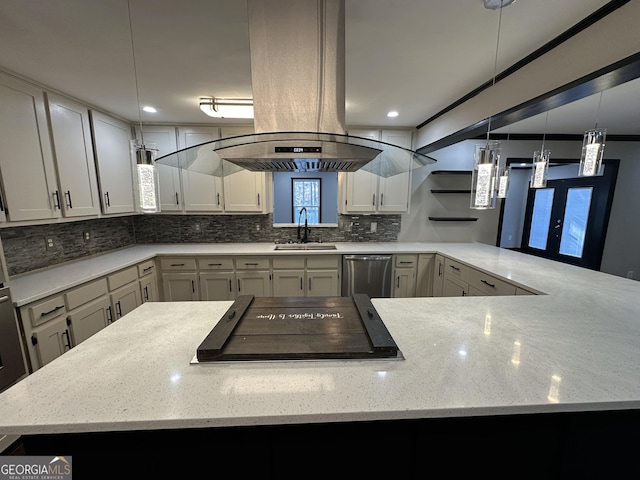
(304, 246)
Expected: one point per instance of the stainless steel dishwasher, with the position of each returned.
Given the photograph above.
(370, 274)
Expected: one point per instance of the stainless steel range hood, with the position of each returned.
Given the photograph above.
(298, 80)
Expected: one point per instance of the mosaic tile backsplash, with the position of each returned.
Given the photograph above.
(26, 249)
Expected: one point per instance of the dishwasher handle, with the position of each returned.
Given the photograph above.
(367, 258)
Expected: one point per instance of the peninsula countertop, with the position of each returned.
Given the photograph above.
(34, 286)
(574, 348)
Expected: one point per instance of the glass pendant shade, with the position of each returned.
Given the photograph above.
(540, 168)
(483, 178)
(147, 183)
(592, 152)
(503, 181)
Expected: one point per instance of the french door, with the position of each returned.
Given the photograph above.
(567, 220)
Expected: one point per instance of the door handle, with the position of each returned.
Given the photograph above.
(56, 200)
(106, 198)
(68, 197)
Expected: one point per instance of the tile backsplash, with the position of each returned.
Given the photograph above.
(27, 248)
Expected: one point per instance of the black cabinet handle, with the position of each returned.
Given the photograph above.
(381, 199)
(56, 200)
(146, 293)
(177, 265)
(68, 344)
(250, 264)
(109, 315)
(258, 199)
(439, 269)
(214, 264)
(455, 268)
(34, 340)
(374, 200)
(55, 309)
(301, 284)
(404, 263)
(1, 204)
(398, 282)
(67, 195)
(193, 286)
(230, 286)
(107, 201)
(487, 283)
(118, 309)
(309, 284)
(147, 269)
(238, 285)
(177, 199)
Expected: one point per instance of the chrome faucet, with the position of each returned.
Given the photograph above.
(304, 238)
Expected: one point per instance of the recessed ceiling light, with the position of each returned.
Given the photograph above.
(393, 113)
(149, 109)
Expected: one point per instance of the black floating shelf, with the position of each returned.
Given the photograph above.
(449, 191)
(451, 172)
(453, 219)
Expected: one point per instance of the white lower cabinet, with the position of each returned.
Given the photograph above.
(89, 319)
(179, 287)
(454, 287)
(323, 283)
(404, 275)
(438, 276)
(126, 299)
(49, 342)
(217, 286)
(424, 275)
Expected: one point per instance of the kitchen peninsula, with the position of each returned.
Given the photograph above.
(548, 383)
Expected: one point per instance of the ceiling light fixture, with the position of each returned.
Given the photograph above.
(496, 4)
(392, 114)
(227, 107)
(592, 149)
(486, 158)
(502, 173)
(541, 162)
(149, 109)
(147, 191)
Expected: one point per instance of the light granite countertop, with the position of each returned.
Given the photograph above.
(576, 348)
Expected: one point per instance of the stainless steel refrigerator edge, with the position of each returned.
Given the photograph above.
(370, 274)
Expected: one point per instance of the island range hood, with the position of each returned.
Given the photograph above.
(297, 50)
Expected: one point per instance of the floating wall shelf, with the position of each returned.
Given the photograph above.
(449, 191)
(453, 219)
(451, 172)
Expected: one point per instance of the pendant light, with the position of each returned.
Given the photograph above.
(147, 191)
(486, 156)
(502, 175)
(541, 162)
(592, 149)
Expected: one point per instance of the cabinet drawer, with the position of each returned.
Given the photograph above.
(44, 311)
(456, 269)
(81, 295)
(146, 268)
(121, 278)
(288, 262)
(490, 284)
(405, 261)
(215, 263)
(178, 263)
(324, 261)
(252, 263)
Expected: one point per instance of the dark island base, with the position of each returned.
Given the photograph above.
(548, 446)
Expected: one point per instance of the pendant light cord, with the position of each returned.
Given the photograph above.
(598, 112)
(544, 133)
(135, 71)
(495, 65)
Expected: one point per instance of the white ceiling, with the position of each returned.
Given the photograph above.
(413, 56)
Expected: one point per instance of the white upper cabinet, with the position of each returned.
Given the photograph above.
(26, 160)
(71, 137)
(112, 143)
(202, 192)
(244, 191)
(369, 190)
(170, 185)
(394, 190)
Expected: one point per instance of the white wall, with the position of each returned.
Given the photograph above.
(622, 246)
